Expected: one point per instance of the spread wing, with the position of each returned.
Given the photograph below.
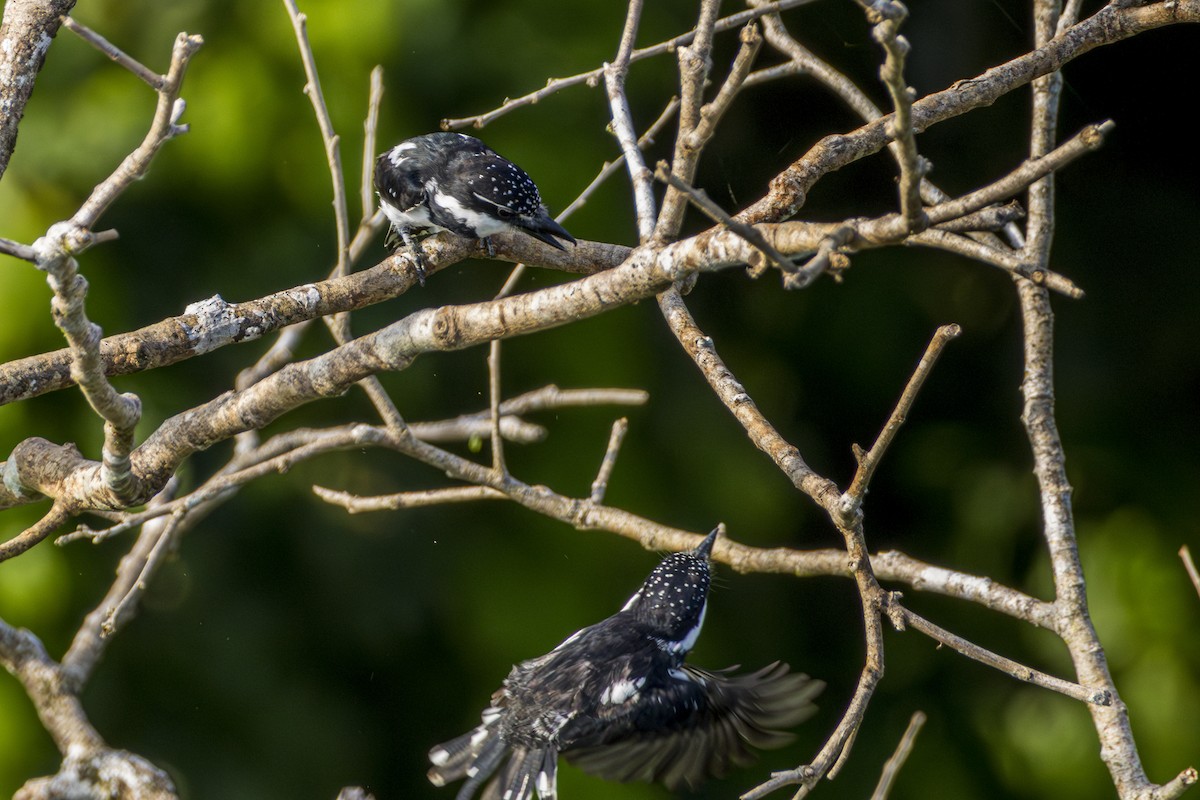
(698, 724)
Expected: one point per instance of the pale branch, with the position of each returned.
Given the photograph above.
(493, 370)
(992, 218)
(733, 395)
(868, 461)
(329, 138)
(401, 500)
(1185, 555)
(700, 199)
(551, 397)
(118, 56)
(282, 350)
(1087, 140)
(57, 515)
(731, 392)
(1047, 92)
(695, 64)
(1110, 24)
(101, 772)
(26, 31)
(827, 257)
(164, 127)
(17, 250)
(609, 463)
(890, 566)
(339, 324)
(285, 450)
(93, 636)
(1001, 257)
(243, 471)
(1118, 750)
(593, 77)
(181, 337)
(370, 135)
(802, 61)
(512, 429)
(54, 255)
(891, 228)
(622, 124)
(903, 617)
(894, 566)
(211, 324)
(894, 764)
(887, 17)
(85, 754)
(120, 412)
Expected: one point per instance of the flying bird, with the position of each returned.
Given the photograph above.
(454, 182)
(617, 700)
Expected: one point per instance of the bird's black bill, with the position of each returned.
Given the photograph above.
(546, 229)
(705, 547)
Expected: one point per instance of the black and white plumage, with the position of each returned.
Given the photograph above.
(454, 182)
(617, 700)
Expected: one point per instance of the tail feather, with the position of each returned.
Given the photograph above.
(474, 755)
(528, 771)
(484, 765)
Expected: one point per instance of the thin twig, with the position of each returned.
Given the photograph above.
(612, 167)
(329, 137)
(892, 768)
(394, 502)
(370, 132)
(1084, 694)
(702, 201)
(91, 639)
(149, 76)
(57, 515)
(165, 126)
(493, 368)
(887, 17)
(695, 64)
(17, 250)
(339, 324)
(622, 123)
(593, 77)
(1087, 140)
(867, 462)
(600, 485)
(1186, 555)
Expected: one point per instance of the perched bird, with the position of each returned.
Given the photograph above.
(453, 182)
(617, 700)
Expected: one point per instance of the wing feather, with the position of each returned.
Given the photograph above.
(708, 724)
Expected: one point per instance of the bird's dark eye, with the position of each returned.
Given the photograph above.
(505, 213)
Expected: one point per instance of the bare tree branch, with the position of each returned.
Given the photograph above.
(26, 31)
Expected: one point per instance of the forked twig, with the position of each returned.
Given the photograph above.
(868, 461)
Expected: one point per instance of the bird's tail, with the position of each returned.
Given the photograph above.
(528, 771)
(478, 753)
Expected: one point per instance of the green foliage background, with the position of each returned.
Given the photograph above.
(291, 649)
